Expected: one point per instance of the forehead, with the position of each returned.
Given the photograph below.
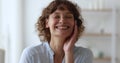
(62, 12)
(62, 7)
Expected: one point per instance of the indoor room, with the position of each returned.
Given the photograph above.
(101, 34)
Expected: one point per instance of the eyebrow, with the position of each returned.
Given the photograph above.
(65, 13)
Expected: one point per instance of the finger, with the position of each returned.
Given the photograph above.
(74, 36)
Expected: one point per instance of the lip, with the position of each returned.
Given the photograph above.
(62, 27)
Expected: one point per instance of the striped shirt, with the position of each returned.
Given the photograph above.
(42, 53)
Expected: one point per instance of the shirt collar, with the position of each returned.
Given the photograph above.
(49, 48)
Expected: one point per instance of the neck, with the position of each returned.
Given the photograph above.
(57, 45)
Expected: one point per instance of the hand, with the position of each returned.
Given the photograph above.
(69, 44)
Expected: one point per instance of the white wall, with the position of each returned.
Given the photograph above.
(32, 10)
(118, 35)
(11, 29)
(0, 25)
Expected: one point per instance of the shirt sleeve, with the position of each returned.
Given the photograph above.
(25, 57)
(88, 58)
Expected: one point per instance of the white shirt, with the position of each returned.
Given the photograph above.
(42, 53)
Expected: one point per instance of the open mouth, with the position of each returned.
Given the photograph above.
(62, 27)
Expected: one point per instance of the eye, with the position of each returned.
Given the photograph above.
(69, 16)
(56, 16)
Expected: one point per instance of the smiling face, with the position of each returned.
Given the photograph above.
(60, 23)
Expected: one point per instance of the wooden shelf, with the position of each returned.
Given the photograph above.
(103, 59)
(97, 34)
(107, 15)
(97, 10)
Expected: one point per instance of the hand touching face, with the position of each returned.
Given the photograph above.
(70, 42)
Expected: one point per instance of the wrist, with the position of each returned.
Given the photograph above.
(69, 52)
(69, 57)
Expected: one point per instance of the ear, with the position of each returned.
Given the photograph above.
(46, 24)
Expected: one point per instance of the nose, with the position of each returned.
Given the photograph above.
(62, 20)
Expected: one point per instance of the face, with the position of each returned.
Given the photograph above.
(61, 23)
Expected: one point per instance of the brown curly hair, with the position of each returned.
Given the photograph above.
(43, 32)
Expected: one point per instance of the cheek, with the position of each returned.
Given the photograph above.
(73, 23)
(51, 24)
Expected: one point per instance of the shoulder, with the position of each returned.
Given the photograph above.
(35, 49)
(31, 52)
(81, 50)
(83, 54)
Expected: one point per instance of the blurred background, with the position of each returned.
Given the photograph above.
(101, 19)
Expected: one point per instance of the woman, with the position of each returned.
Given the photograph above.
(59, 27)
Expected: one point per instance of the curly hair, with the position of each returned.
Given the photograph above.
(43, 32)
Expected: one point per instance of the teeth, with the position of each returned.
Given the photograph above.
(62, 27)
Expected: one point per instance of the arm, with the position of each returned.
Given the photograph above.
(25, 57)
(88, 58)
(69, 57)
